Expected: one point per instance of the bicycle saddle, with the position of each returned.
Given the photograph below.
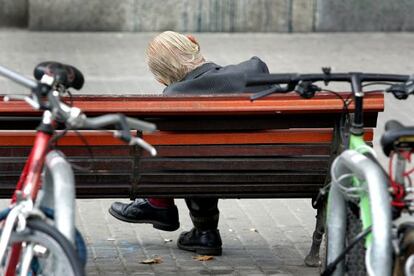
(66, 75)
(397, 136)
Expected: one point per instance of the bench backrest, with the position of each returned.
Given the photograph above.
(225, 146)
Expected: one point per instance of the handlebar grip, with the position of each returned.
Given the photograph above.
(67, 75)
(267, 79)
(113, 119)
(140, 125)
(410, 88)
(16, 77)
(143, 144)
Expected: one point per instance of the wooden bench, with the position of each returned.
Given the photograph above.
(224, 146)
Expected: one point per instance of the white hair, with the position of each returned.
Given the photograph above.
(171, 56)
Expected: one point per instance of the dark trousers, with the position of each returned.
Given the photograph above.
(204, 212)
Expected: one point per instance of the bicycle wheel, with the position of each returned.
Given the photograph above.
(80, 245)
(53, 254)
(355, 259)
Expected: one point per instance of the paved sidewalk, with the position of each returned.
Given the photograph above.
(261, 237)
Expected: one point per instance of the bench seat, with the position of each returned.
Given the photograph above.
(224, 146)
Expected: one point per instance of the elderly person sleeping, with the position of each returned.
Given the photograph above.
(176, 61)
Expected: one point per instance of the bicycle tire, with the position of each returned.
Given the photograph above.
(323, 253)
(355, 258)
(60, 257)
(80, 245)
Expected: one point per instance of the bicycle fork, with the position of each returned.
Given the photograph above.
(59, 193)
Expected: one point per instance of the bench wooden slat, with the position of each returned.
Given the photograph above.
(98, 138)
(227, 177)
(184, 150)
(242, 150)
(216, 123)
(239, 164)
(97, 151)
(253, 122)
(232, 191)
(291, 136)
(212, 105)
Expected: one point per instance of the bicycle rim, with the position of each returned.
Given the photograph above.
(53, 254)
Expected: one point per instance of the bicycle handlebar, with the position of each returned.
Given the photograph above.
(266, 79)
(303, 83)
(16, 77)
(125, 123)
(114, 119)
(69, 76)
(74, 118)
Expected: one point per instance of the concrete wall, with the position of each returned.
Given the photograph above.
(364, 15)
(13, 13)
(209, 15)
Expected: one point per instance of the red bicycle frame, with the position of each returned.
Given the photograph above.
(29, 183)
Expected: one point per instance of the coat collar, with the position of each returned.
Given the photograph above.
(201, 70)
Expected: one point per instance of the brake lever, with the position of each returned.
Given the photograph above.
(27, 99)
(142, 143)
(132, 141)
(399, 91)
(307, 89)
(409, 86)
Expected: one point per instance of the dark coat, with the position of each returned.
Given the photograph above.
(211, 78)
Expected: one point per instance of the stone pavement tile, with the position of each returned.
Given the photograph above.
(110, 268)
(217, 268)
(92, 273)
(189, 264)
(91, 269)
(167, 273)
(188, 273)
(133, 258)
(303, 270)
(239, 261)
(111, 273)
(141, 268)
(250, 272)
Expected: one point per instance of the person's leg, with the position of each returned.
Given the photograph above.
(160, 212)
(161, 202)
(204, 238)
(204, 212)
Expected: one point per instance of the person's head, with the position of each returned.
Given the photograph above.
(171, 56)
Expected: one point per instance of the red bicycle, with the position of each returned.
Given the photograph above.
(30, 244)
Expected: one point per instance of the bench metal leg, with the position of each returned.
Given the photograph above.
(312, 259)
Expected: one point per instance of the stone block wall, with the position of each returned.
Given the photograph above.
(13, 13)
(364, 15)
(209, 15)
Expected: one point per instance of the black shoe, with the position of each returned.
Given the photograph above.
(203, 242)
(141, 211)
